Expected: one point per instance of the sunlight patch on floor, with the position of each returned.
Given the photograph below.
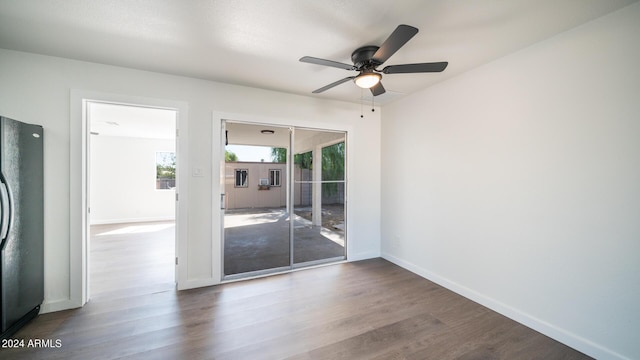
(137, 229)
(333, 236)
(231, 221)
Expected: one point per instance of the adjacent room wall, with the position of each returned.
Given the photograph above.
(37, 89)
(123, 180)
(520, 185)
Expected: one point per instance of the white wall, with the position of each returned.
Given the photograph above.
(123, 180)
(520, 185)
(37, 89)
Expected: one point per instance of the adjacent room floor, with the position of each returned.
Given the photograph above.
(131, 258)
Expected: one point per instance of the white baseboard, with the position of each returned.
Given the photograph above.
(363, 256)
(58, 305)
(197, 283)
(570, 339)
(131, 220)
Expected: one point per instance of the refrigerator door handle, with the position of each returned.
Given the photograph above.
(6, 210)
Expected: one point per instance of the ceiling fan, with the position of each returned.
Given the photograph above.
(367, 59)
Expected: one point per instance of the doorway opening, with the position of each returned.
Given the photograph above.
(298, 174)
(131, 162)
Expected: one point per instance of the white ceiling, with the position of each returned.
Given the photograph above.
(258, 43)
(107, 119)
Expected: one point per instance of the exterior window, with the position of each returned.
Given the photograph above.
(274, 177)
(242, 176)
(165, 170)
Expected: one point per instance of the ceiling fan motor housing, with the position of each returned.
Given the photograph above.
(363, 57)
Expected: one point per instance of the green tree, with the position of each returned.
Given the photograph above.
(165, 165)
(304, 160)
(229, 156)
(279, 155)
(332, 166)
(332, 163)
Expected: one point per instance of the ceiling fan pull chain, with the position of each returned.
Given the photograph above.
(361, 102)
(372, 104)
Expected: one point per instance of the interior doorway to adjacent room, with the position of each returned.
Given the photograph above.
(132, 162)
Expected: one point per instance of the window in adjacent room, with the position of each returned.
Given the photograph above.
(241, 178)
(165, 170)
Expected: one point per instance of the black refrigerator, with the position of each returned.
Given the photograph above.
(21, 224)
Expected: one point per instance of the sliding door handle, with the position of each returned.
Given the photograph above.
(222, 207)
(5, 207)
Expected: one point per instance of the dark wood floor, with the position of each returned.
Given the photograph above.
(363, 310)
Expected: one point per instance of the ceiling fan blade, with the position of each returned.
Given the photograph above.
(317, 61)
(395, 41)
(378, 89)
(415, 68)
(333, 84)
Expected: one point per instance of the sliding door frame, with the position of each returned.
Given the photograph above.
(315, 198)
(290, 198)
(223, 200)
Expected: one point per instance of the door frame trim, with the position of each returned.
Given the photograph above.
(79, 142)
(218, 172)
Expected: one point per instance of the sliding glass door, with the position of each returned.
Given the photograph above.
(273, 175)
(256, 215)
(319, 197)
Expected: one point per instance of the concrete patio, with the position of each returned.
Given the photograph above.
(258, 239)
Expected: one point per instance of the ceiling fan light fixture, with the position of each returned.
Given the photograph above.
(367, 80)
